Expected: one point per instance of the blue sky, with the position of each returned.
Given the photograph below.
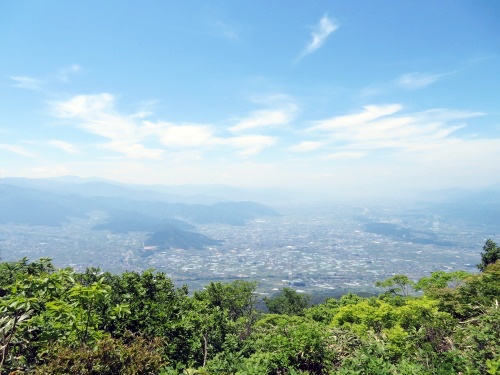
(340, 96)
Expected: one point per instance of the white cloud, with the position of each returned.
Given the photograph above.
(185, 135)
(385, 127)
(64, 74)
(96, 114)
(135, 150)
(85, 106)
(306, 146)
(250, 144)
(413, 81)
(408, 81)
(345, 155)
(262, 118)
(370, 112)
(28, 83)
(319, 35)
(68, 147)
(282, 112)
(443, 114)
(129, 135)
(17, 150)
(377, 145)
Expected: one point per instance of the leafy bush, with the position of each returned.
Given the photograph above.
(134, 356)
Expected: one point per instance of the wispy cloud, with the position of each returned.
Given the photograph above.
(408, 81)
(145, 109)
(306, 146)
(28, 83)
(345, 155)
(17, 150)
(369, 113)
(250, 144)
(134, 150)
(387, 127)
(226, 30)
(96, 115)
(134, 137)
(263, 118)
(281, 112)
(202, 136)
(64, 74)
(416, 80)
(321, 32)
(31, 83)
(180, 136)
(65, 146)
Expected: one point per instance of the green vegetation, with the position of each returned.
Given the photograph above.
(56, 321)
(490, 255)
(288, 301)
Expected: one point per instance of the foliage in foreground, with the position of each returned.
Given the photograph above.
(55, 321)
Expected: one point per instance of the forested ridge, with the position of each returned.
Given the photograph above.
(56, 321)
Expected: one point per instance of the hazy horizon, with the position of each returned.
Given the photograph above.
(324, 98)
(273, 196)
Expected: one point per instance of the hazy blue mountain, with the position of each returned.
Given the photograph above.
(37, 207)
(188, 194)
(174, 238)
(445, 195)
(229, 193)
(163, 233)
(478, 207)
(461, 195)
(94, 187)
(126, 221)
(25, 205)
(34, 207)
(233, 213)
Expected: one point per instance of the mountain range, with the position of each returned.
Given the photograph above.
(52, 202)
(472, 206)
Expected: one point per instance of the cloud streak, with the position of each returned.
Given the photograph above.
(379, 127)
(369, 113)
(415, 80)
(137, 138)
(265, 118)
(28, 83)
(306, 146)
(17, 150)
(281, 111)
(95, 114)
(250, 144)
(321, 32)
(226, 31)
(64, 74)
(345, 155)
(65, 146)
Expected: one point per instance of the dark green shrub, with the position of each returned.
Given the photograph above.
(131, 356)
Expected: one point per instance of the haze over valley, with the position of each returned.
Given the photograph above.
(324, 248)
